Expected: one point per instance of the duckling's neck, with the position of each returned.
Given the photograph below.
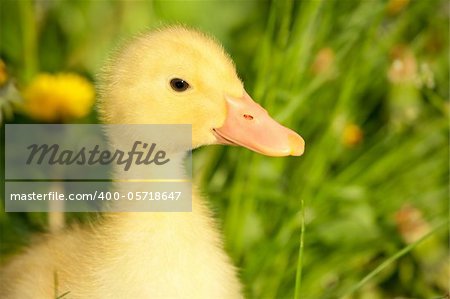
(177, 250)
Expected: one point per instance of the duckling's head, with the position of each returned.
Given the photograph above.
(180, 76)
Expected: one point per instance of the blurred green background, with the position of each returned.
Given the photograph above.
(366, 83)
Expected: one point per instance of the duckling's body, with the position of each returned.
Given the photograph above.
(130, 255)
(156, 255)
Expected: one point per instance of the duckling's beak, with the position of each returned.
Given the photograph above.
(249, 125)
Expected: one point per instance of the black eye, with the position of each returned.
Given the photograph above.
(179, 84)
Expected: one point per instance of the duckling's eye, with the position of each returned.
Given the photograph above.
(179, 84)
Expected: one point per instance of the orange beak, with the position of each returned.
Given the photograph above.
(249, 125)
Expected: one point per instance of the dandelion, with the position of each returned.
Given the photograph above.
(54, 98)
(352, 136)
(58, 98)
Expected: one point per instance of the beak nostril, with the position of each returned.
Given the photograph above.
(248, 117)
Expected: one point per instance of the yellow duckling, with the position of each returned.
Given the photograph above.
(171, 76)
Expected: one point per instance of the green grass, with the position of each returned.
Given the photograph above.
(323, 225)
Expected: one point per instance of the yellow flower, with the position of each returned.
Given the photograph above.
(3, 73)
(353, 135)
(59, 97)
